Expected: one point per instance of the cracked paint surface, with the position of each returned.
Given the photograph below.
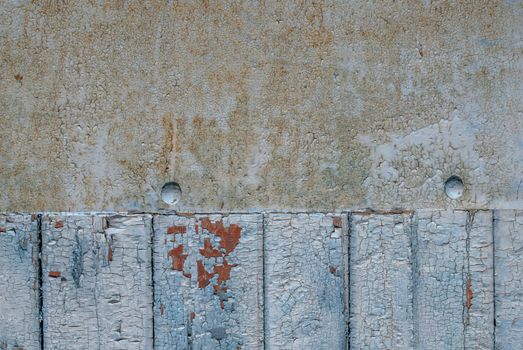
(305, 281)
(431, 279)
(19, 290)
(260, 105)
(97, 285)
(214, 298)
(508, 243)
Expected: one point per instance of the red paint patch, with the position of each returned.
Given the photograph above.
(469, 293)
(332, 269)
(223, 271)
(110, 254)
(55, 274)
(230, 236)
(204, 277)
(176, 229)
(59, 224)
(208, 251)
(193, 315)
(178, 258)
(336, 222)
(2, 229)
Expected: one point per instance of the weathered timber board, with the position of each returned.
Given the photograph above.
(97, 283)
(454, 280)
(19, 290)
(305, 281)
(208, 281)
(508, 243)
(381, 286)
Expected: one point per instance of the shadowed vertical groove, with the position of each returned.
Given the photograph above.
(414, 273)
(347, 284)
(494, 277)
(40, 280)
(153, 304)
(264, 287)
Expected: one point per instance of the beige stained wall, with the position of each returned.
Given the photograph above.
(251, 105)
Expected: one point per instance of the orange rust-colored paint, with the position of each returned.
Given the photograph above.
(33, 217)
(59, 224)
(204, 277)
(55, 274)
(223, 271)
(192, 315)
(208, 251)
(178, 258)
(218, 288)
(176, 229)
(230, 236)
(332, 269)
(336, 222)
(468, 303)
(110, 254)
(19, 77)
(196, 228)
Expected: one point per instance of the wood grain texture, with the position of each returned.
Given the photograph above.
(305, 280)
(19, 292)
(97, 284)
(508, 235)
(454, 287)
(208, 278)
(381, 286)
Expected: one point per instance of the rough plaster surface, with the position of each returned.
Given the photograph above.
(250, 105)
(305, 281)
(208, 282)
(97, 282)
(19, 289)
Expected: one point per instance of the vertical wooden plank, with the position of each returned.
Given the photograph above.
(97, 283)
(508, 235)
(208, 279)
(454, 280)
(19, 289)
(381, 290)
(305, 277)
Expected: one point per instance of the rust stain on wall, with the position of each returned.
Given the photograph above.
(258, 105)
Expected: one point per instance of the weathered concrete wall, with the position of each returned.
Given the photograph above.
(279, 105)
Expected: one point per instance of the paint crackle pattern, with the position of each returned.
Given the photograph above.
(208, 281)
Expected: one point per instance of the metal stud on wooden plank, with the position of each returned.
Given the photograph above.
(19, 290)
(305, 281)
(454, 286)
(381, 288)
(208, 280)
(97, 283)
(508, 236)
